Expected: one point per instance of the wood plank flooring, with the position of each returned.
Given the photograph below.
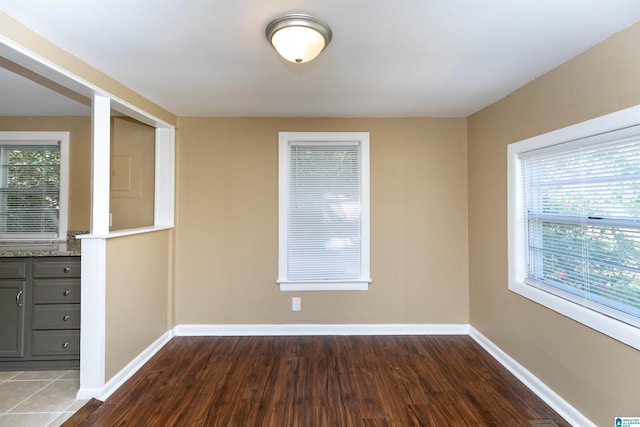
(77, 419)
(323, 381)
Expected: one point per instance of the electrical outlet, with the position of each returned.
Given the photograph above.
(295, 304)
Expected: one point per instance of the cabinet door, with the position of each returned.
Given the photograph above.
(12, 312)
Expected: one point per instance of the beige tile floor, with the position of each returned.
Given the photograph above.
(38, 398)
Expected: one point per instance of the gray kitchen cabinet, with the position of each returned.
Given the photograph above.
(39, 313)
(12, 318)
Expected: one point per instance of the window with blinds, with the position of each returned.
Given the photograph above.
(582, 219)
(323, 211)
(30, 190)
(583, 222)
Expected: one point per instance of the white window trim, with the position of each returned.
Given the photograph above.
(284, 138)
(37, 138)
(517, 267)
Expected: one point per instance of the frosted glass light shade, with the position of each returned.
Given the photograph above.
(298, 38)
(298, 44)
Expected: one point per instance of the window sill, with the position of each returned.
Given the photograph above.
(295, 286)
(127, 232)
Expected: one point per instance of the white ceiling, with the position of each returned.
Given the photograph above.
(388, 58)
(24, 97)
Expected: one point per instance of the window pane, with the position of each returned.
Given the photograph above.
(324, 213)
(29, 191)
(583, 221)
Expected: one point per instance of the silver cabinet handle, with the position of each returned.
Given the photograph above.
(65, 317)
(66, 293)
(19, 298)
(65, 344)
(66, 269)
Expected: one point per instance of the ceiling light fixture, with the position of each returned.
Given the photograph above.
(298, 38)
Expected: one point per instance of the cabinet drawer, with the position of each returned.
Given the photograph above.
(56, 291)
(13, 270)
(56, 316)
(55, 343)
(62, 268)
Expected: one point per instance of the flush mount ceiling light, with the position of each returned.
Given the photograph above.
(298, 38)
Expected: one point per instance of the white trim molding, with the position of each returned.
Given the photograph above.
(611, 325)
(318, 329)
(127, 372)
(287, 140)
(47, 138)
(551, 398)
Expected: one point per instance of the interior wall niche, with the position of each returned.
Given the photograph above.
(132, 174)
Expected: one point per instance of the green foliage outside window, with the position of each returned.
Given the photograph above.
(30, 178)
(584, 222)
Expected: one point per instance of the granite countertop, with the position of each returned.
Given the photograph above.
(70, 247)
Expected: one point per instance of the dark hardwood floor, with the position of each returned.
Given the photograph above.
(330, 381)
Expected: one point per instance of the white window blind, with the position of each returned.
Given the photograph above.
(324, 212)
(582, 219)
(33, 181)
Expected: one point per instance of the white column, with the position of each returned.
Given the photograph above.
(92, 318)
(100, 164)
(93, 309)
(165, 175)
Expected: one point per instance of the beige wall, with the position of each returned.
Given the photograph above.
(595, 374)
(137, 291)
(79, 129)
(132, 185)
(227, 224)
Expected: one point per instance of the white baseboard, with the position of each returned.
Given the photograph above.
(118, 379)
(561, 406)
(88, 393)
(316, 329)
